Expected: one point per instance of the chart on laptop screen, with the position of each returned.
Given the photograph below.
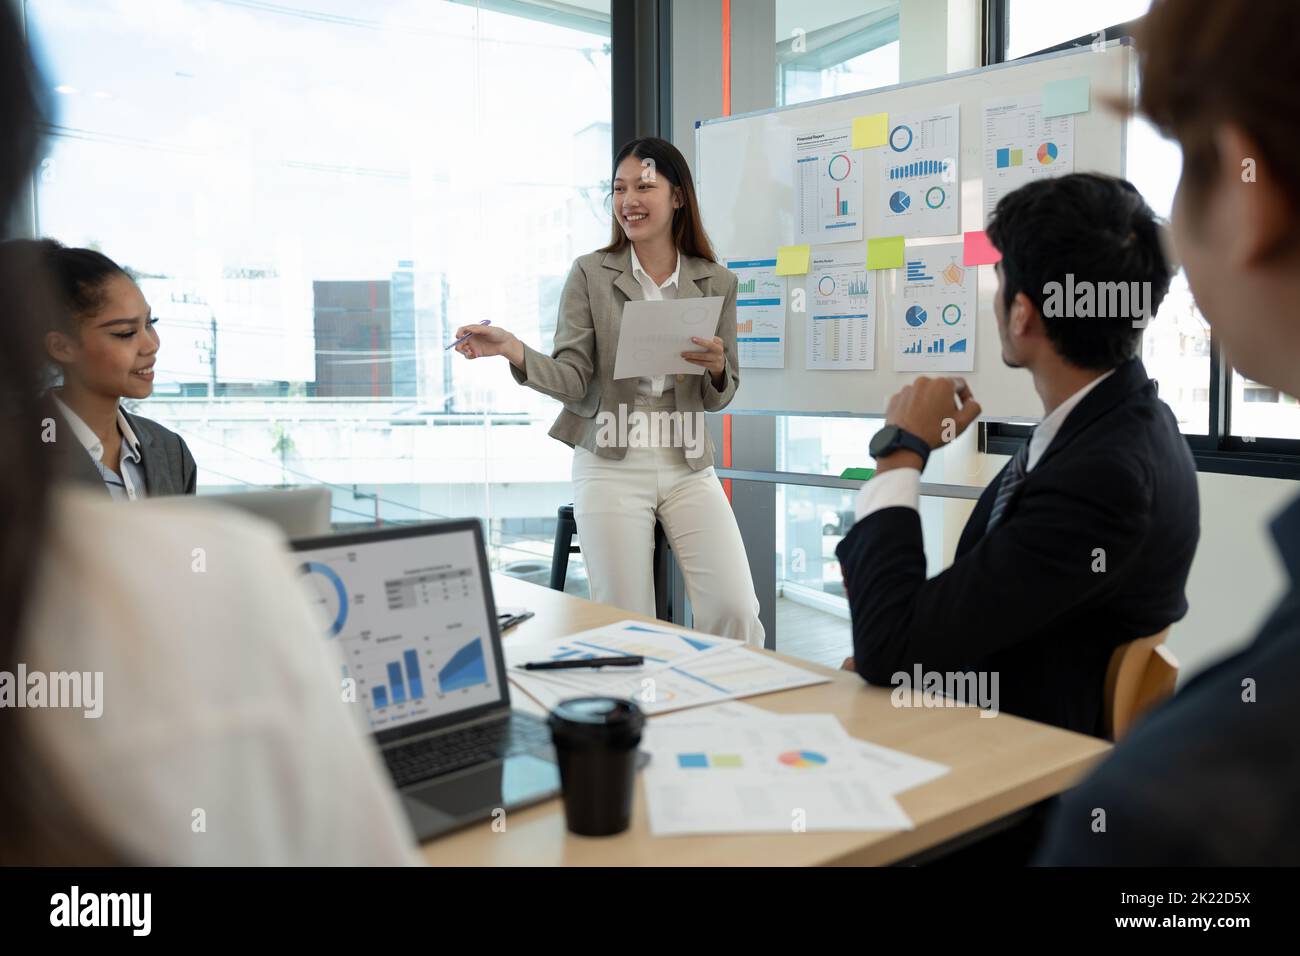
(411, 621)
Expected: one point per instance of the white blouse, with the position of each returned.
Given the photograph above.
(224, 738)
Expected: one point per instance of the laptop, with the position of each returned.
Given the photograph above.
(412, 611)
(297, 511)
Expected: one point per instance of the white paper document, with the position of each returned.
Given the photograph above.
(760, 313)
(893, 770)
(1021, 145)
(827, 186)
(934, 317)
(681, 670)
(653, 335)
(840, 326)
(920, 180)
(795, 774)
(660, 646)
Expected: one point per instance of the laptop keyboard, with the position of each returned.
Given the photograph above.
(457, 749)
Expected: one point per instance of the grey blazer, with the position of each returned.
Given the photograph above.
(580, 370)
(168, 466)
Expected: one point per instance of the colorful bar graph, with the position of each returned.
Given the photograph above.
(1010, 157)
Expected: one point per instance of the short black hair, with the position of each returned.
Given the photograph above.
(1095, 228)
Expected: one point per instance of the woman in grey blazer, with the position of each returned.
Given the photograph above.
(641, 449)
(105, 346)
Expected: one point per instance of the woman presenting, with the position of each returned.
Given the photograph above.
(624, 477)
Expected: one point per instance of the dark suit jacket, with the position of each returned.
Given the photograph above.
(1028, 600)
(1210, 778)
(168, 466)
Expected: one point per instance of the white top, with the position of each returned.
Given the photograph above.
(654, 386)
(129, 484)
(220, 693)
(901, 487)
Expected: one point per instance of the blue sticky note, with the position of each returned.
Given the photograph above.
(1063, 97)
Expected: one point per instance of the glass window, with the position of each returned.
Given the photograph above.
(1259, 411)
(812, 611)
(831, 48)
(1176, 345)
(312, 196)
(1034, 25)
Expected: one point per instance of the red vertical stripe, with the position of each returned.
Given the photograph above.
(726, 57)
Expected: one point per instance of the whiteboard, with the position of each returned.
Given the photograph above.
(744, 175)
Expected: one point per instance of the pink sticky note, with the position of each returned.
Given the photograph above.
(978, 251)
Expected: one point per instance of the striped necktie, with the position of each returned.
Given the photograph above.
(1012, 478)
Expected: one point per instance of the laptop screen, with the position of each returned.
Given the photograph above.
(413, 617)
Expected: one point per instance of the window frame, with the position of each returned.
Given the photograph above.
(1216, 451)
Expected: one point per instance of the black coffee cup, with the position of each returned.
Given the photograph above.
(595, 742)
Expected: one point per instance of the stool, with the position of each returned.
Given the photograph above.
(566, 529)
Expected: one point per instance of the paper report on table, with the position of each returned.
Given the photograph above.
(681, 669)
(760, 313)
(653, 335)
(785, 775)
(827, 186)
(840, 327)
(1020, 145)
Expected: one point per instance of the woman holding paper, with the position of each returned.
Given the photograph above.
(641, 450)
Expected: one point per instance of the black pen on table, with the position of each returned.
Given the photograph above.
(631, 661)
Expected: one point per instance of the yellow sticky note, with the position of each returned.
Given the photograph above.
(793, 260)
(869, 131)
(885, 253)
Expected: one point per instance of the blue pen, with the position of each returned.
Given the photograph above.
(466, 335)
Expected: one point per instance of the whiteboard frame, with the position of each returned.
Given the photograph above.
(883, 353)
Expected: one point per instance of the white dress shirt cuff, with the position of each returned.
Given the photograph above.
(899, 488)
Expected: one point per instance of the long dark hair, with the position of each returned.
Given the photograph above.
(37, 823)
(688, 226)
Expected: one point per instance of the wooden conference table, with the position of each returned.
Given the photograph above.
(1000, 765)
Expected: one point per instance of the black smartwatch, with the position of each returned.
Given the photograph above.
(891, 438)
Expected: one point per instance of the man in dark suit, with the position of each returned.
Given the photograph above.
(1084, 540)
(1213, 776)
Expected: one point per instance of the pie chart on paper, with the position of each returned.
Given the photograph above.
(1047, 153)
(915, 316)
(899, 201)
(803, 759)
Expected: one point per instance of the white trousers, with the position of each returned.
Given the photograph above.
(615, 504)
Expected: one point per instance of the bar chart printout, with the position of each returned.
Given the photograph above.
(760, 313)
(827, 186)
(934, 318)
(918, 193)
(840, 323)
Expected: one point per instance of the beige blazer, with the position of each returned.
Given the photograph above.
(580, 370)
